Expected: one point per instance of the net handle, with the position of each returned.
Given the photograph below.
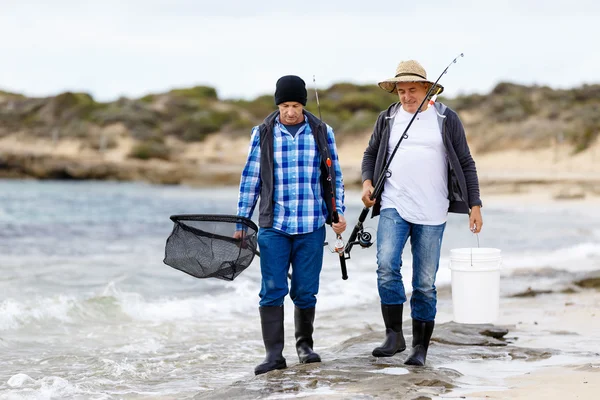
(215, 218)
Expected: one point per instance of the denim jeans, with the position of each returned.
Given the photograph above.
(305, 254)
(426, 243)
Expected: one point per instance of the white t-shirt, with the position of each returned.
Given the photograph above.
(418, 187)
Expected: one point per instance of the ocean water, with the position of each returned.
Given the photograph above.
(88, 309)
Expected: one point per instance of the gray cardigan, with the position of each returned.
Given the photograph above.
(463, 184)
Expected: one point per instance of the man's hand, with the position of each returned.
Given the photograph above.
(366, 194)
(241, 236)
(340, 226)
(475, 220)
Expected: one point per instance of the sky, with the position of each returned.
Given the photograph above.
(115, 48)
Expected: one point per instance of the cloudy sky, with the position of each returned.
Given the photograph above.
(130, 48)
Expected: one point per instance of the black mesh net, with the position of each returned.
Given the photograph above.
(204, 245)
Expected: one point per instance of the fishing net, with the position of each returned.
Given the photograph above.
(204, 245)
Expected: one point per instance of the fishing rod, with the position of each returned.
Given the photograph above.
(364, 238)
(339, 246)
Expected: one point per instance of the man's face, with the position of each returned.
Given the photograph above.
(411, 94)
(290, 113)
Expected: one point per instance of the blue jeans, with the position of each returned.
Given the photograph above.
(426, 244)
(277, 251)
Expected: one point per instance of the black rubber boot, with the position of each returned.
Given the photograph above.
(304, 319)
(394, 339)
(421, 336)
(271, 321)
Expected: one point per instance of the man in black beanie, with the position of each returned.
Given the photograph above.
(293, 167)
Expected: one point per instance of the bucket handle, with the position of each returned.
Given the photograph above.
(477, 236)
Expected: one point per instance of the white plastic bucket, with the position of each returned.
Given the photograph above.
(475, 284)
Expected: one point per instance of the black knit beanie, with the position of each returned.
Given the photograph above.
(290, 88)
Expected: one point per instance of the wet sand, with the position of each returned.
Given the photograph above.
(551, 383)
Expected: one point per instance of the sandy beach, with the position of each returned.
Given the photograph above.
(552, 383)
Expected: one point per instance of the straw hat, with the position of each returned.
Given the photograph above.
(408, 71)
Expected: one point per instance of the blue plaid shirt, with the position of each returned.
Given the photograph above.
(298, 201)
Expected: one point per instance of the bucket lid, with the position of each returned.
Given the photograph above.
(476, 250)
(475, 253)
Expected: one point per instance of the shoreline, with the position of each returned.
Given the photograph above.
(219, 160)
(565, 186)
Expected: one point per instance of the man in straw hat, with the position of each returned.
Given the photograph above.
(293, 166)
(431, 174)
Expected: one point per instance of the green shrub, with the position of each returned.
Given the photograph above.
(464, 102)
(196, 92)
(258, 108)
(586, 93)
(507, 88)
(134, 114)
(583, 139)
(194, 127)
(153, 148)
(67, 107)
(354, 102)
(242, 124)
(510, 108)
(338, 90)
(149, 98)
(10, 95)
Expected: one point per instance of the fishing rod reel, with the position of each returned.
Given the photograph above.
(364, 239)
